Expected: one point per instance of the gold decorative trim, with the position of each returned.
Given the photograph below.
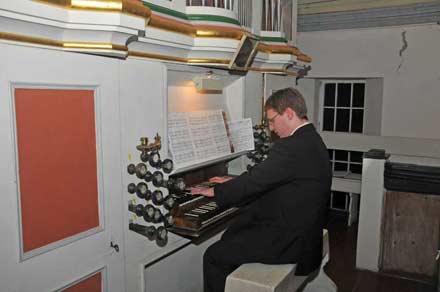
(167, 24)
(220, 33)
(209, 31)
(28, 39)
(60, 44)
(273, 70)
(304, 58)
(123, 6)
(274, 49)
(178, 59)
(160, 22)
(95, 46)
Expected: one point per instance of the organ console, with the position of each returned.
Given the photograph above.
(171, 206)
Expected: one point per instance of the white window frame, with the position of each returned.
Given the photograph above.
(333, 160)
(322, 107)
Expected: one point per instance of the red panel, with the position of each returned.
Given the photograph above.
(92, 284)
(57, 164)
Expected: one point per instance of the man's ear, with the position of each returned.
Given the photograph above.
(290, 113)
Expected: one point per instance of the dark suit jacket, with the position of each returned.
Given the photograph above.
(291, 189)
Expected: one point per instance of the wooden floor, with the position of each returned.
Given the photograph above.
(341, 268)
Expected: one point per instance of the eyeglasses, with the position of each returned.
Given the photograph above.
(272, 119)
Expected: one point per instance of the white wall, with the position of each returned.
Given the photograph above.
(411, 93)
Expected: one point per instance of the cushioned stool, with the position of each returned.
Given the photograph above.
(257, 277)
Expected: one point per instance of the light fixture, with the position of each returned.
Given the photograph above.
(208, 82)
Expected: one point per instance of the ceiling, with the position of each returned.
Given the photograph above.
(326, 6)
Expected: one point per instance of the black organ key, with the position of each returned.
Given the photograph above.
(154, 159)
(148, 231)
(162, 233)
(152, 233)
(137, 209)
(176, 185)
(167, 165)
(149, 213)
(169, 202)
(142, 191)
(157, 217)
(168, 220)
(157, 197)
(148, 176)
(131, 168)
(158, 179)
(145, 156)
(131, 188)
(141, 170)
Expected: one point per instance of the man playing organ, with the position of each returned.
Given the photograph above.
(289, 192)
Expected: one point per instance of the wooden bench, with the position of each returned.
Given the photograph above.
(257, 277)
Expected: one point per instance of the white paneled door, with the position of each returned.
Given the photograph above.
(60, 173)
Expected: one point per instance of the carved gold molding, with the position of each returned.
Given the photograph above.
(61, 44)
(276, 49)
(133, 7)
(212, 31)
(273, 70)
(124, 6)
(178, 59)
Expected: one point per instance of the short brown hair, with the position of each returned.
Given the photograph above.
(281, 99)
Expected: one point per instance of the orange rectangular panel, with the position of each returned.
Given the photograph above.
(91, 284)
(56, 144)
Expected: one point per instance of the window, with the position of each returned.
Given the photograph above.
(343, 106)
(345, 162)
(346, 204)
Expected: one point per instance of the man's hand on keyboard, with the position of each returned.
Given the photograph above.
(207, 192)
(220, 179)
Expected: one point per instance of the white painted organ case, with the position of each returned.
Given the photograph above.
(60, 170)
(175, 263)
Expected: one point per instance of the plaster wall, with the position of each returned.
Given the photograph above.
(406, 57)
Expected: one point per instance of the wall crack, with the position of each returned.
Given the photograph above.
(402, 49)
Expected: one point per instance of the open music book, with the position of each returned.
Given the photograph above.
(200, 136)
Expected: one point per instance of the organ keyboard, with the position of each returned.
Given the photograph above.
(196, 214)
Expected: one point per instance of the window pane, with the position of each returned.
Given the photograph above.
(341, 155)
(329, 94)
(329, 118)
(358, 94)
(338, 200)
(356, 156)
(344, 94)
(342, 120)
(356, 168)
(339, 166)
(357, 121)
(330, 154)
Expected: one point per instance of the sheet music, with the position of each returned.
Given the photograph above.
(180, 142)
(241, 135)
(197, 136)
